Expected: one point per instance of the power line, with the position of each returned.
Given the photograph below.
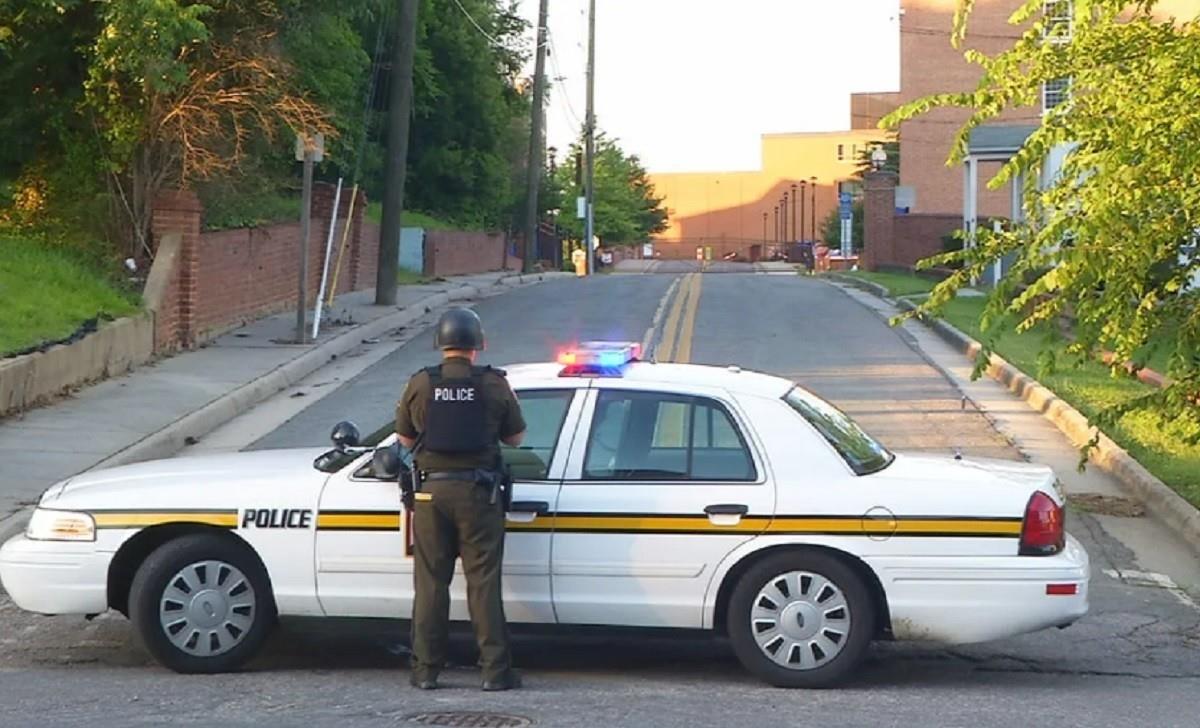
(558, 75)
(491, 39)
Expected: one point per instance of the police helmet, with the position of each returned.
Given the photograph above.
(459, 328)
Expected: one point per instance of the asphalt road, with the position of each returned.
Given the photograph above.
(1131, 661)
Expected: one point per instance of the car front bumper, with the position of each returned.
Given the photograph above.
(55, 577)
(945, 600)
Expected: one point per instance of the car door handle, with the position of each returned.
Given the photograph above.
(726, 509)
(526, 511)
(538, 508)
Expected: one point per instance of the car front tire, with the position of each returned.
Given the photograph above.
(801, 619)
(202, 603)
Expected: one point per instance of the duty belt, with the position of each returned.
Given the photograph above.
(468, 476)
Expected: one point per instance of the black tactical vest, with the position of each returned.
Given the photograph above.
(455, 418)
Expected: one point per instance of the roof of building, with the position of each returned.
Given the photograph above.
(998, 138)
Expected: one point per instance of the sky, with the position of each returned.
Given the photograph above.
(690, 85)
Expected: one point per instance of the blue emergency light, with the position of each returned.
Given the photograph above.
(598, 358)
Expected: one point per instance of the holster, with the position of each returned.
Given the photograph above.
(499, 484)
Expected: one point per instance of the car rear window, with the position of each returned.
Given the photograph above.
(861, 452)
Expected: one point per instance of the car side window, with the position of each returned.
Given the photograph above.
(655, 436)
(544, 412)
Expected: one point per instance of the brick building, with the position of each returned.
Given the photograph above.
(929, 65)
(725, 210)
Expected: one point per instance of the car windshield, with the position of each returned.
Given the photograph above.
(861, 452)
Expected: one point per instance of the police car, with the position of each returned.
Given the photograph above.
(647, 495)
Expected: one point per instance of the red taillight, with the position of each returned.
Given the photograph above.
(1042, 529)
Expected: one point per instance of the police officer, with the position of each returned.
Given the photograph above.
(456, 414)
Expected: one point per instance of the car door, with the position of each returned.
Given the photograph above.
(364, 535)
(659, 487)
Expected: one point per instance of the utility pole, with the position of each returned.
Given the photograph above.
(535, 139)
(589, 227)
(309, 156)
(399, 114)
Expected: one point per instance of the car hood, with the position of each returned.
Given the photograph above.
(202, 475)
(947, 470)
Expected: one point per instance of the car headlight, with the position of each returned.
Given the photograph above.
(49, 525)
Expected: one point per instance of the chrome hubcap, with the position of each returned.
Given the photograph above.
(800, 620)
(207, 608)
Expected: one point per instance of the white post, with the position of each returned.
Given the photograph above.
(337, 201)
(970, 204)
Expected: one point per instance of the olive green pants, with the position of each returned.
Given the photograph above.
(458, 521)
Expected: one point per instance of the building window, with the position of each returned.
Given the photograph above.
(1059, 14)
(841, 152)
(1055, 93)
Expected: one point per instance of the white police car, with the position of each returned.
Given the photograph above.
(647, 495)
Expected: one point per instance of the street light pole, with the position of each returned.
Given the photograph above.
(785, 216)
(803, 192)
(775, 218)
(764, 228)
(794, 211)
(813, 180)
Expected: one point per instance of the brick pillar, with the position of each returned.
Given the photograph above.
(879, 213)
(350, 275)
(178, 211)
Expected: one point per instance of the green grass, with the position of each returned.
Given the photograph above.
(1090, 387)
(48, 293)
(229, 209)
(412, 218)
(897, 284)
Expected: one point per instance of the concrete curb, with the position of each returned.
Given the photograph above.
(172, 438)
(1165, 504)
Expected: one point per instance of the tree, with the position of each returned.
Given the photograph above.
(1112, 237)
(156, 92)
(626, 208)
(831, 227)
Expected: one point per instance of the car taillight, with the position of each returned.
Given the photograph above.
(1042, 530)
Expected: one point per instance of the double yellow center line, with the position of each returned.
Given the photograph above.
(676, 343)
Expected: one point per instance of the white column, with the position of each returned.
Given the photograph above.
(970, 202)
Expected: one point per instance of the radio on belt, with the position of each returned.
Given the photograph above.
(598, 358)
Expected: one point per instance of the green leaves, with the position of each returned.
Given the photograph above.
(1111, 240)
(626, 208)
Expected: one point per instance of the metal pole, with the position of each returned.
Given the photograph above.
(765, 238)
(793, 211)
(333, 218)
(535, 140)
(305, 225)
(813, 180)
(589, 231)
(785, 216)
(775, 219)
(803, 191)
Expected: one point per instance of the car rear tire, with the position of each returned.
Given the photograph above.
(801, 619)
(202, 603)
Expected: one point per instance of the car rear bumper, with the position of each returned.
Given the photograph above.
(941, 600)
(55, 577)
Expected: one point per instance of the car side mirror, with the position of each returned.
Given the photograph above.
(345, 434)
(385, 463)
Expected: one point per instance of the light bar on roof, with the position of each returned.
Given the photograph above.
(598, 357)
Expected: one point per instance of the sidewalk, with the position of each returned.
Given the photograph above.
(1156, 548)
(153, 411)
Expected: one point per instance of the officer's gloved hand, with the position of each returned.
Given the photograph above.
(406, 498)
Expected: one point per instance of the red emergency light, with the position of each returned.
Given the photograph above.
(598, 358)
